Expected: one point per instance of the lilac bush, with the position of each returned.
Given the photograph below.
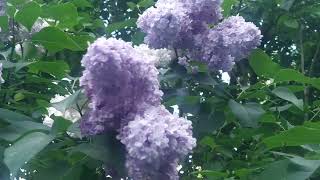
(122, 86)
(118, 84)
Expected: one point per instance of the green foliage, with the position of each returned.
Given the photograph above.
(263, 124)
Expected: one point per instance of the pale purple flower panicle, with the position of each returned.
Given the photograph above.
(139, 170)
(165, 26)
(172, 23)
(202, 13)
(211, 50)
(229, 41)
(155, 141)
(239, 36)
(1, 79)
(118, 84)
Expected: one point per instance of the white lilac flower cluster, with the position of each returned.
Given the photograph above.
(123, 90)
(184, 24)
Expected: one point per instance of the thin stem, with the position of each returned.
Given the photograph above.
(239, 6)
(79, 109)
(314, 59)
(302, 51)
(22, 50)
(13, 41)
(176, 53)
(315, 115)
(302, 59)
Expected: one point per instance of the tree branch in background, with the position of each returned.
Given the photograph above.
(314, 59)
(302, 61)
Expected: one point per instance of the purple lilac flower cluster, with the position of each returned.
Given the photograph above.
(155, 142)
(172, 23)
(220, 47)
(124, 95)
(118, 83)
(230, 41)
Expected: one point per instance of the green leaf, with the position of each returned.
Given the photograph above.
(291, 23)
(104, 148)
(75, 129)
(56, 68)
(121, 25)
(227, 7)
(11, 116)
(201, 67)
(60, 125)
(286, 94)
(262, 64)
(146, 3)
(65, 14)
(131, 5)
(55, 40)
(67, 103)
(287, 75)
(17, 66)
(214, 175)
(208, 141)
(10, 10)
(24, 150)
(83, 40)
(286, 4)
(4, 23)
(296, 168)
(17, 129)
(95, 151)
(82, 3)
(138, 37)
(28, 15)
(4, 171)
(210, 123)
(248, 114)
(300, 135)
(17, 2)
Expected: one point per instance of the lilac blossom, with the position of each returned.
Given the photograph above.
(172, 23)
(118, 84)
(230, 41)
(155, 141)
(140, 170)
(239, 36)
(202, 13)
(166, 26)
